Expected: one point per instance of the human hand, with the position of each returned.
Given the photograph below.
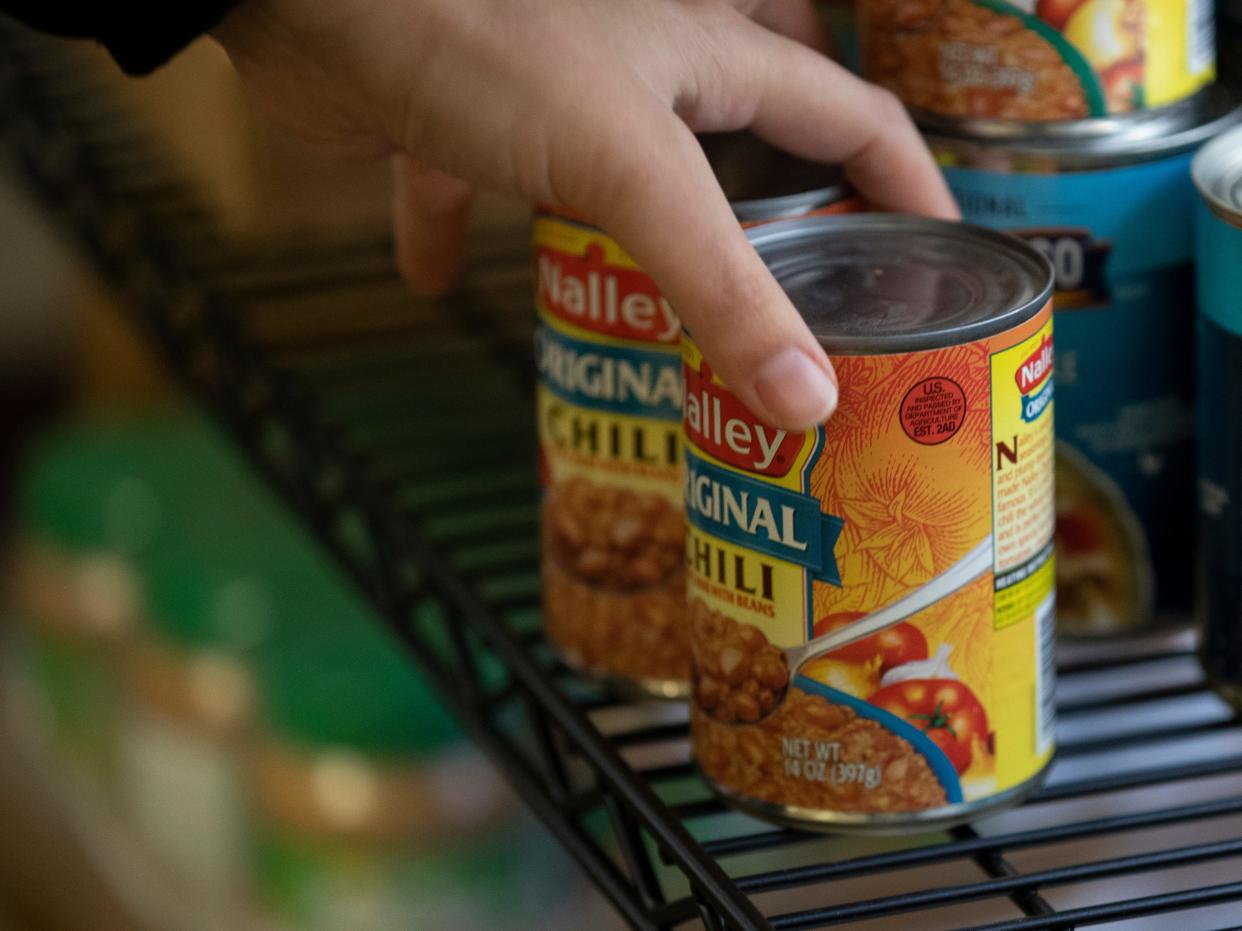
(592, 105)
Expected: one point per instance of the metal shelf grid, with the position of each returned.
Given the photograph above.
(402, 432)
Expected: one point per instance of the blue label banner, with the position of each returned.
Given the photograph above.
(756, 515)
(601, 376)
(1035, 404)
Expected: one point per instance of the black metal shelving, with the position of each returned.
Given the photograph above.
(401, 432)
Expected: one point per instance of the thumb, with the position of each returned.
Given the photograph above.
(661, 201)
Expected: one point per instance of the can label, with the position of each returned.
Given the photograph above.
(1038, 59)
(930, 456)
(1219, 253)
(608, 403)
(1119, 241)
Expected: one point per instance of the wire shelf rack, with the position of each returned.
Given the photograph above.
(401, 431)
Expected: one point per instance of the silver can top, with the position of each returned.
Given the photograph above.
(1091, 143)
(879, 283)
(1217, 173)
(763, 182)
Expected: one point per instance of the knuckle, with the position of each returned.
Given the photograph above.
(887, 108)
(610, 177)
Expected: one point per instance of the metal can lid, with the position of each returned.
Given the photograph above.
(1098, 141)
(763, 182)
(1217, 173)
(868, 284)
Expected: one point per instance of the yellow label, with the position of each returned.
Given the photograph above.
(1022, 472)
(1180, 49)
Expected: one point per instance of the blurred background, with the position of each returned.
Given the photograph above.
(201, 723)
(202, 726)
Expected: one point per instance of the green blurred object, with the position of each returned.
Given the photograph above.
(342, 681)
(100, 493)
(112, 483)
(462, 883)
(224, 579)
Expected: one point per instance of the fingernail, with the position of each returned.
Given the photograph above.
(794, 390)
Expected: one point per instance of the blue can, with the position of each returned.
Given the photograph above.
(1112, 205)
(1218, 244)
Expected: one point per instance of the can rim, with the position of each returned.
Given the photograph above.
(1217, 174)
(1130, 137)
(788, 206)
(812, 228)
(878, 824)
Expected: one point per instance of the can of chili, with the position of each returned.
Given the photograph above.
(608, 402)
(1046, 60)
(1125, 428)
(1217, 173)
(871, 601)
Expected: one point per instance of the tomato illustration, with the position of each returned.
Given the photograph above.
(1078, 532)
(946, 710)
(901, 643)
(1056, 12)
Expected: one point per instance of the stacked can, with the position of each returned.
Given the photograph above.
(609, 401)
(1110, 203)
(1218, 243)
(1050, 60)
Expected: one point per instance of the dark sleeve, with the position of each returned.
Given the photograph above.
(140, 34)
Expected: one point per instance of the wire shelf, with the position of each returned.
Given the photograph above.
(401, 431)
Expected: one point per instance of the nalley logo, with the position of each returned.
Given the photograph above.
(1035, 368)
(1034, 379)
(587, 292)
(718, 423)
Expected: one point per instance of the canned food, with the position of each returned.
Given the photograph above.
(1047, 60)
(871, 601)
(1113, 214)
(609, 405)
(1218, 242)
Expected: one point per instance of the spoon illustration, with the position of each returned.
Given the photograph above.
(970, 567)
